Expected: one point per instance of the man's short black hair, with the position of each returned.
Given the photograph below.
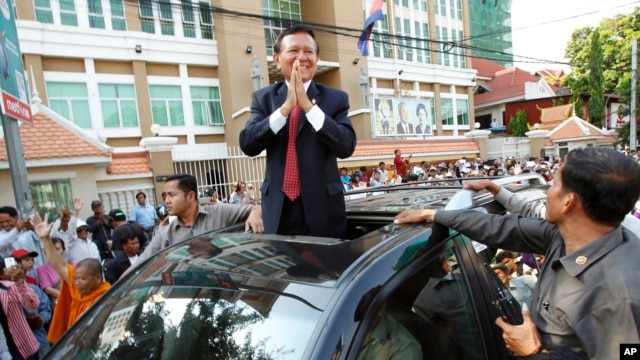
(607, 182)
(186, 182)
(141, 193)
(506, 254)
(124, 233)
(293, 30)
(9, 210)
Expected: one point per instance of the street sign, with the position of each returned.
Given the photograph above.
(15, 98)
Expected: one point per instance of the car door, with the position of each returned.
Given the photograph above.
(434, 308)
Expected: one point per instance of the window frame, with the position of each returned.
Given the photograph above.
(209, 116)
(69, 100)
(118, 100)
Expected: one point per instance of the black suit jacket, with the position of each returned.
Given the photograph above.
(320, 185)
(400, 129)
(114, 268)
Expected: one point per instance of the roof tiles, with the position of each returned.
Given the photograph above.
(47, 139)
(129, 163)
(508, 83)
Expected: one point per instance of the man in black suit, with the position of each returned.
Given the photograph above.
(404, 127)
(309, 200)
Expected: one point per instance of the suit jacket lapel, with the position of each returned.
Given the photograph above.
(281, 96)
(313, 94)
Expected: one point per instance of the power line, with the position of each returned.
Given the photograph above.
(439, 46)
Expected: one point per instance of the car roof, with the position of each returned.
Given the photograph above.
(278, 256)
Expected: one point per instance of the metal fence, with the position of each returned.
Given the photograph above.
(222, 173)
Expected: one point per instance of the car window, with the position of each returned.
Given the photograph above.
(430, 315)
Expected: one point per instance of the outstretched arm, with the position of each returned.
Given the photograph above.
(43, 228)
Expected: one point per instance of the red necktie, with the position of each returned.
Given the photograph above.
(291, 184)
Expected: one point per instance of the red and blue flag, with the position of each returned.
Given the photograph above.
(375, 14)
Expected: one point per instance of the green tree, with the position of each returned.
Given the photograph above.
(615, 38)
(596, 83)
(518, 125)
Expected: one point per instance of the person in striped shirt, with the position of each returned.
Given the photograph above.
(14, 294)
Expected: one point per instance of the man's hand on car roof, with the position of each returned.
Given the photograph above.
(254, 221)
(415, 216)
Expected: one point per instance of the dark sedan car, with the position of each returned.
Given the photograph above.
(387, 292)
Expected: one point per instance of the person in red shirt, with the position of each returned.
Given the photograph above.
(400, 163)
(364, 177)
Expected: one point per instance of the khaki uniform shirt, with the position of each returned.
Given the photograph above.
(588, 301)
(209, 218)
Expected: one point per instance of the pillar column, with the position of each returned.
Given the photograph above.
(159, 148)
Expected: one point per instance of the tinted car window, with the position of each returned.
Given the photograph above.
(429, 315)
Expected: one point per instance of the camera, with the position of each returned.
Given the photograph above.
(162, 211)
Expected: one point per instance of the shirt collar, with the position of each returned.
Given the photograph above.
(201, 211)
(581, 259)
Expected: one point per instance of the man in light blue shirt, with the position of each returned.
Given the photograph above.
(144, 215)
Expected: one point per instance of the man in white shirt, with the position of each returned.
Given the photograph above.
(14, 237)
(80, 247)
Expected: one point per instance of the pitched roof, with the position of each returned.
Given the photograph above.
(553, 77)
(507, 84)
(553, 116)
(428, 147)
(50, 139)
(485, 68)
(129, 163)
(575, 128)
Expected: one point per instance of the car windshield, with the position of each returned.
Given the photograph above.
(219, 296)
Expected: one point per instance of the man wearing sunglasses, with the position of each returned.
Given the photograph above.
(81, 247)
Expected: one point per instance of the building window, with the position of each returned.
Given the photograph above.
(68, 13)
(43, 11)
(71, 101)
(146, 16)
(462, 111)
(166, 105)
(279, 15)
(118, 21)
(206, 21)
(460, 50)
(188, 19)
(441, 7)
(119, 108)
(382, 45)
(207, 108)
(447, 111)
(166, 17)
(420, 5)
(424, 48)
(96, 19)
(49, 195)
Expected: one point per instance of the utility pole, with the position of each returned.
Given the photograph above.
(634, 81)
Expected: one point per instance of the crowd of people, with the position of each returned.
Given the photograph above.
(64, 266)
(403, 171)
